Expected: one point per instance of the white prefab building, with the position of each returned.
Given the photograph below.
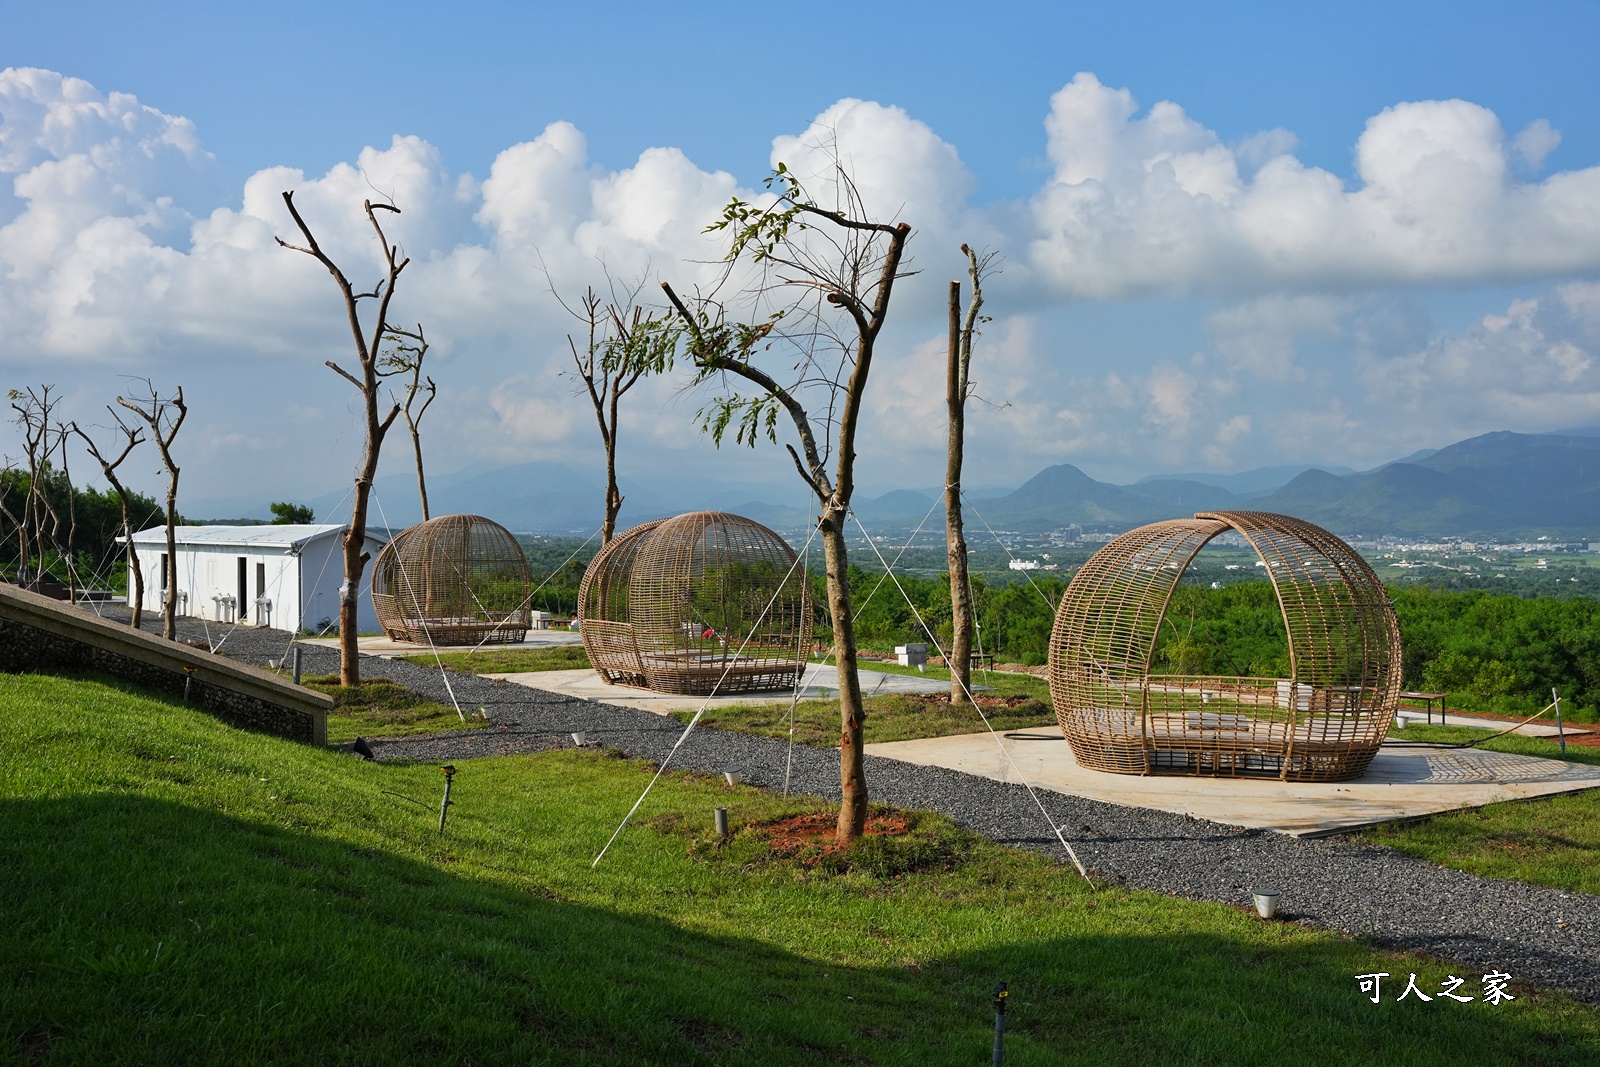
(286, 577)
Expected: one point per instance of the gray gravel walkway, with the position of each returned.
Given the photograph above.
(1545, 936)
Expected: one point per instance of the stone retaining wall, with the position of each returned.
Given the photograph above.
(40, 634)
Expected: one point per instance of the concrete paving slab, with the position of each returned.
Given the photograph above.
(818, 683)
(1400, 783)
(1540, 728)
(382, 645)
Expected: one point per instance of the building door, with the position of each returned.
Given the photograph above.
(241, 615)
(261, 591)
(161, 598)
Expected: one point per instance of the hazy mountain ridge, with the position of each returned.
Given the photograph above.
(1499, 484)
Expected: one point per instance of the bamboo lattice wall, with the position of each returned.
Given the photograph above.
(454, 580)
(1324, 722)
(694, 604)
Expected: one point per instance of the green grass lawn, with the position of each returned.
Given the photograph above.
(491, 659)
(1013, 702)
(176, 891)
(381, 708)
(1551, 841)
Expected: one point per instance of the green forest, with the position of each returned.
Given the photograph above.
(80, 528)
(1489, 651)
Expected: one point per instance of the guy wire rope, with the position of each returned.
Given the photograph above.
(702, 710)
(444, 675)
(1004, 752)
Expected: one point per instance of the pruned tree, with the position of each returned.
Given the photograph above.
(68, 554)
(132, 437)
(826, 275)
(368, 381)
(958, 387)
(404, 356)
(164, 416)
(34, 408)
(624, 345)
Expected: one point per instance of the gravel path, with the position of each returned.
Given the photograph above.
(1546, 936)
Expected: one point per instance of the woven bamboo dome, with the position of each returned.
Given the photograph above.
(1322, 723)
(454, 580)
(704, 602)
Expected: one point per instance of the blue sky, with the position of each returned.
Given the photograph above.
(1246, 312)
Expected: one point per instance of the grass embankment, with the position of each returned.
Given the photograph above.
(501, 660)
(177, 891)
(381, 708)
(1550, 841)
(1012, 702)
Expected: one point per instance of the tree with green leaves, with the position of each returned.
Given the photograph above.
(822, 278)
(407, 349)
(624, 344)
(287, 514)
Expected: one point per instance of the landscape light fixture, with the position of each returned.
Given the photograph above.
(362, 749)
(720, 816)
(733, 775)
(580, 738)
(1266, 902)
(1000, 995)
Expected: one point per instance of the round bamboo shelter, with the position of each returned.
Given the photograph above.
(1324, 722)
(704, 602)
(454, 580)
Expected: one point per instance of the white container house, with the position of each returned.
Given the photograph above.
(287, 577)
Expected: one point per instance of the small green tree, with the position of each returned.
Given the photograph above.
(623, 345)
(829, 293)
(287, 514)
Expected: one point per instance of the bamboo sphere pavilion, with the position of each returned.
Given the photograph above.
(454, 580)
(1324, 722)
(700, 603)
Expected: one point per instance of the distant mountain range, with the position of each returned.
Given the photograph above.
(1505, 485)
(1497, 485)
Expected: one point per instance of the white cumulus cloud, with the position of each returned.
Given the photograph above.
(1157, 203)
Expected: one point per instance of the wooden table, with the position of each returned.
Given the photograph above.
(1427, 703)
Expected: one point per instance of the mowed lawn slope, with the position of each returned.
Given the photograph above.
(176, 891)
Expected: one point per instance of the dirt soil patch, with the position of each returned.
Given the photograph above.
(813, 834)
(984, 700)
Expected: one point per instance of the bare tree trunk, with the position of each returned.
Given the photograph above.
(33, 409)
(169, 610)
(410, 348)
(960, 659)
(373, 367)
(852, 713)
(72, 519)
(109, 468)
(608, 528)
(422, 483)
(154, 417)
(355, 559)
